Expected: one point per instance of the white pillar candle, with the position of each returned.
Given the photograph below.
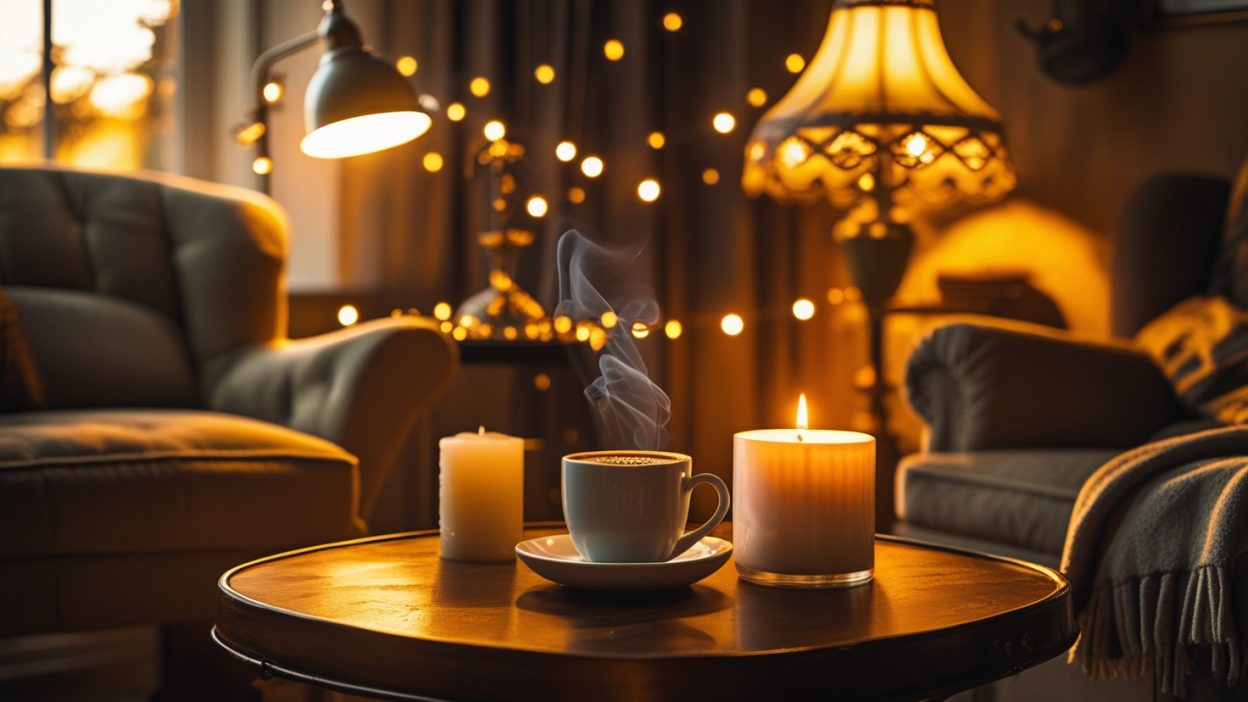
(481, 491)
(804, 506)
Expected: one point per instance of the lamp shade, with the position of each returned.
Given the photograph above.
(880, 106)
(356, 104)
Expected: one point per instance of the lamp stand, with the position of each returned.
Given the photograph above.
(877, 255)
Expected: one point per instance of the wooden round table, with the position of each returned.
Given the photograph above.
(385, 616)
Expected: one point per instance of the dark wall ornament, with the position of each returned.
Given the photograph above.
(1166, 13)
(1082, 41)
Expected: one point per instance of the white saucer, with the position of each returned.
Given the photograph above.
(556, 559)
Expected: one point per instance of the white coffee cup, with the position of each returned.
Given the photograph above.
(632, 506)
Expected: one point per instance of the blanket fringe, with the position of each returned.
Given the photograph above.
(1160, 625)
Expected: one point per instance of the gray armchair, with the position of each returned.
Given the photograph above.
(183, 432)
(1020, 416)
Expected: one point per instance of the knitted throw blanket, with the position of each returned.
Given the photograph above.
(1149, 552)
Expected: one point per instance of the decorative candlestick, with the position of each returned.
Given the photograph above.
(804, 506)
(481, 490)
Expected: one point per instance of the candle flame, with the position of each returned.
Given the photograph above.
(803, 418)
(481, 430)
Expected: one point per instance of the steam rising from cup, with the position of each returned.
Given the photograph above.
(630, 410)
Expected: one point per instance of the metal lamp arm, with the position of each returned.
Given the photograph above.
(260, 68)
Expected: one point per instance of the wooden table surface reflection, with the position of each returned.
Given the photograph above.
(386, 616)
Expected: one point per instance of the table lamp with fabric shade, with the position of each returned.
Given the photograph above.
(355, 103)
(880, 124)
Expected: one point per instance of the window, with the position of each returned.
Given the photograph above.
(112, 83)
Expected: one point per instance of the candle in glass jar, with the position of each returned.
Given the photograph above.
(481, 496)
(804, 506)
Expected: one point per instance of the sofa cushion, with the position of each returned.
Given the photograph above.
(1019, 498)
(108, 482)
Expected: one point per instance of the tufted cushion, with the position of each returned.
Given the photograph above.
(1019, 498)
(109, 482)
(129, 285)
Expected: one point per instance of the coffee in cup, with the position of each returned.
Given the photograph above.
(632, 506)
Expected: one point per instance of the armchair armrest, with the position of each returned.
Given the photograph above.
(362, 388)
(1023, 386)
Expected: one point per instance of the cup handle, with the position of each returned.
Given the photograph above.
(725, 500)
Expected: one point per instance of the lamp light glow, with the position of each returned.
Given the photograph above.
(348, 315)
(365, 134)
(724, 122)
(565, 151)
(732, 324)
(262, 165)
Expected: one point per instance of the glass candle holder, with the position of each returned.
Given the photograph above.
(804, 507)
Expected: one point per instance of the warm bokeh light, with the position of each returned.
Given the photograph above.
(348, 315)
(123, 96)
(510, 333)
(608, 319)
(494, 130)
(576, 195)
(794, 63)
(406, 66)
(262, 165)
(456, 111)
(710, 176)
(656, 140)
(545, 74)
(835, 296)
(640, 330)
(866, 182)
(446, 327)
(803, 414)
(673, 329)
(272, 92)
(648, 190)
(365, 134)
(582, 332)
(757, 97)
(724, 123)
(249, 134)
(803, 308)
(459, 334)
(536, 206)
(592, 166)
(613, 49)
(732, 324)
(672, 22)
(565, 151)
(541, 381)
(479, 86)
(432, 161)
(563, 324)
(442, 311)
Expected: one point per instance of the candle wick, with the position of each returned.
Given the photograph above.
(481, 430)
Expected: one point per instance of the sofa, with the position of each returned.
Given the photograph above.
(182, 433)
(1018, 417)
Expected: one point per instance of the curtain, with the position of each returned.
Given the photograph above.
(707, 250)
